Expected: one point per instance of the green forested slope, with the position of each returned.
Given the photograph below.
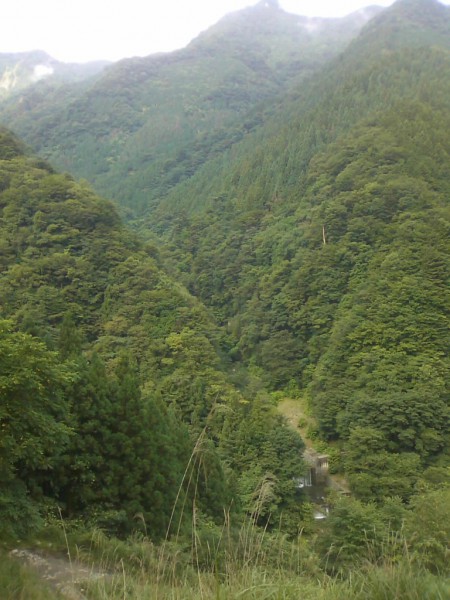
(319, 243)
(385, 365)
(315, 255)
(380, 67)
(322, 245)
(150, 123)
(114, 394)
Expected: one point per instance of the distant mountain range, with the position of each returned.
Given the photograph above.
(20, 70)
(143, 125)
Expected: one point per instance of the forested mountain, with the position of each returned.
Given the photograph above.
(293, 178)
(111, 371)
(321, 244)
(21, 70)
(150, 123)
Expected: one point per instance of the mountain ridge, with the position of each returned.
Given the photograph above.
(20, 70)
(308, 241)
(146, 107)
(294, 251)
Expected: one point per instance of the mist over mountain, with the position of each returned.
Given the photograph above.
(20, 70)
(149, 123)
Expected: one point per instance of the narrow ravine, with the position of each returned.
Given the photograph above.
(296, 415)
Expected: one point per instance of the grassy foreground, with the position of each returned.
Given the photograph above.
(247, 564)
(379, 584)
(18, 582)
(257, 569)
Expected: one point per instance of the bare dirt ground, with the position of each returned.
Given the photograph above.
(66, 576)
(298, 416)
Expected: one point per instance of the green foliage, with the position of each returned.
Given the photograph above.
(20, 514)
(10, 146)
(354, 533)
(312, 234)
(128, 463)
(357, 533)
(33, 422)
(148, 124)
(402, 582)
(330, 268)
(266, 455)
(231, 562)
(144, 379)
(427, 530)
(33, 407)
(374, 473)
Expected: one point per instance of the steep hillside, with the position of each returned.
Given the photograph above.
(305, 259)
(114, 393)
(66, 253)
(365, 78)
(321, 243)
(150, 123)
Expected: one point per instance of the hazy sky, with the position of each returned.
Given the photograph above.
(82, 30)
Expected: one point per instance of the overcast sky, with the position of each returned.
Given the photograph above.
(82, 30)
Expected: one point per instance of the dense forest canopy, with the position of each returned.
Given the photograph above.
(146, 124)
(141, 369)
(288, 200)
(320, 242)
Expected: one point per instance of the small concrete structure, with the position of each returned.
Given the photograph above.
(315, 481)
(305, 481)
(318, 466)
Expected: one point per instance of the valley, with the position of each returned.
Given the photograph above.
(217, 266)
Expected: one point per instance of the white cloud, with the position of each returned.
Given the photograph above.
(41, 71)
(84, 30)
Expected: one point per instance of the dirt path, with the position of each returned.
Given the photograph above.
(65, 576)
(298, 417)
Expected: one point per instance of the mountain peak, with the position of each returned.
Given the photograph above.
(418, 3)
(269, 4)
(405, 24)
(418, 6)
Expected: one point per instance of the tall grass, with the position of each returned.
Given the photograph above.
(234, 561)
(397, 582)
(255, 583)
(249, 564)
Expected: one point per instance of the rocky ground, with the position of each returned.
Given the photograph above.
(67, 576)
